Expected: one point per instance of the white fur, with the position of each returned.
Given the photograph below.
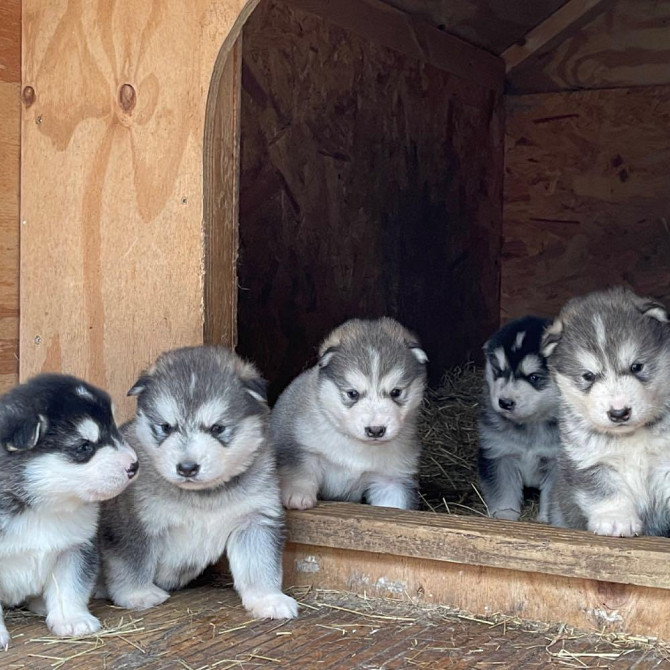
(89, 430)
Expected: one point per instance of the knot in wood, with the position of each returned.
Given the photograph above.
(127, 98)
(28, 96)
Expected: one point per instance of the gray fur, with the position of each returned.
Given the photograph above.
(165, 531)
(517, 450)
(607, 349)
(325, 439)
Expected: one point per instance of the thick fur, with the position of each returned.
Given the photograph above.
(346, 428)
(610, 355)
(518, 424)
(209, 486)
(60, 454)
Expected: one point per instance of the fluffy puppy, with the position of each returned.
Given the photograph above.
(346, 428)
(208, 486)
(610, 355)
(518, 423)
(60, 455)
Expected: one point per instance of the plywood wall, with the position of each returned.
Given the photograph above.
(370, 185)
(587, 202)
(10, 134)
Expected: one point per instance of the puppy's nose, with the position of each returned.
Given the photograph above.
(375, 431)
(188, 469)
(132, 469)
(619, 415)
(506, 404)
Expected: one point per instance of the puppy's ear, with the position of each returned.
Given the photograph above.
(326, 355)
(22, 433)
(551, 337)
(418, 352)
(141, 385)
(257, 388)
(654, 310)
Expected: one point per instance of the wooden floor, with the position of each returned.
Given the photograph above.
(205, 627)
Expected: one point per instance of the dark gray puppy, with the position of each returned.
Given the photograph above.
(60, 455)
(518, 427)
(208, 486)
(609, 352)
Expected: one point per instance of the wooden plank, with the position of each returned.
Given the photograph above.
(565, 21)
(586, 197)
(221, 202)
(380, 23)
(626, 45)
(472, 541)
(370, 185)
(10, 136)
(112, 181)
(590, 604)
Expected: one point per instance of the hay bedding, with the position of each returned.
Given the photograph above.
(448, 428)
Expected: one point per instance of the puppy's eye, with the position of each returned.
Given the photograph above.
(165, 428)
(588, 377)
(533, 379)
(636, 368)
(217, 429)
(396, 393)
(352, 394)
(84, 449)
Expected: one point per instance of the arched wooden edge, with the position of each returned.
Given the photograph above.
(484, 566)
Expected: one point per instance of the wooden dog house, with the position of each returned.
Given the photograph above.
(253, 173)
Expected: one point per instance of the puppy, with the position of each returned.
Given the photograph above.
(60, 455)
(610, 355)
(518, 428)
(209, 485)
(346, 428)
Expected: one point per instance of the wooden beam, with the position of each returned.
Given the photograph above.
(523, 547)
(386, 25)
(564, 21)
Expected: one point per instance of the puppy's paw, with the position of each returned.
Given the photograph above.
(297, 499)
(508, 514)
(4, 638)
(73, 626)
(141, 599)
(271, 606)
(615, 526)
(542, 517)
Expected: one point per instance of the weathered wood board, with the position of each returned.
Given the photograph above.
(10, 136)
(587, 203)
(370, 188)
(485, 566)
(627, 44)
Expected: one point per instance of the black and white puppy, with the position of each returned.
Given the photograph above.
(609, 352)
(60, 455)
(208, 486)
(518, 429)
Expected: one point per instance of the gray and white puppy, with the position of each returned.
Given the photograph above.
(609, 352)
(60, 455)
(209, 486)
(518, 423)
(346, 429)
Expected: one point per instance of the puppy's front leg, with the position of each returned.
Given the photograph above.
(502, 486)
(300, 482)
(68, 591)
(4, 633)
(392, 492)
(254, 555)
(545, 496)
(615, 515)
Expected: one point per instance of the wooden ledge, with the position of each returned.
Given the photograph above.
(491, 543)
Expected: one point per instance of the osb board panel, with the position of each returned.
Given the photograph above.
(628, 44)
(206, 628)
(112, 185)
(10, 136)
(586, 197)
(492, 24)
(370, 184)
(588, 604)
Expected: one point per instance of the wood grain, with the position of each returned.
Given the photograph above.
(588, 604)
(10, 136)
(492, 543)
(377, 22)
(586, 197)
(112, 194)
(626, 45)
(559, 26)
(370, 185)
